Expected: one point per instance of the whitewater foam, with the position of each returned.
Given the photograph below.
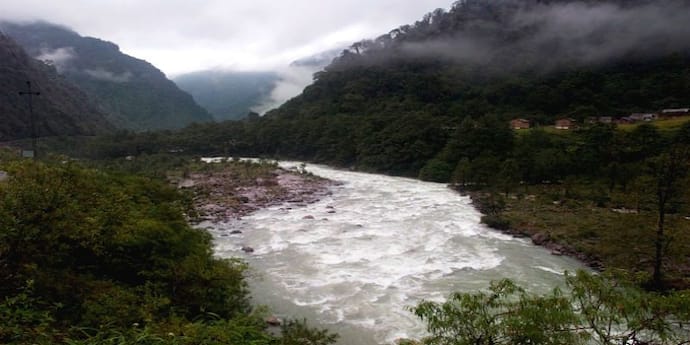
(357, 258)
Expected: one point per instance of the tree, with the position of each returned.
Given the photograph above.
(505, 314)
(670, 171)
(595, 309)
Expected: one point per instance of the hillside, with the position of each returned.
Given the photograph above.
(61, 109)
(133, 93)
(231, 95)
(228, 95)
(389, 104)
(397, 103)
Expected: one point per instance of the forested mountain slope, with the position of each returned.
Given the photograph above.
(61, 109)
(228, 95)
(133, 93)
(534, 59)
(444, 88)
(390, 104)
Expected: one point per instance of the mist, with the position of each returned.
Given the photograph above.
(60, 57)
(551, 36)
(104, 75)
(292, 80)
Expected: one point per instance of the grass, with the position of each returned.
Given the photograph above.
(671, 124)
(668, 125)
(617, 240)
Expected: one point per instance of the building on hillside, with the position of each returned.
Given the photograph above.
(519, 124)
(675, 112)
(643, 117)
(565, 124)
(650, 117)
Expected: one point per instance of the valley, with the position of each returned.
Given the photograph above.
(492, 172)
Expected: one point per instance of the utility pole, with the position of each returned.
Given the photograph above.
(32, 123)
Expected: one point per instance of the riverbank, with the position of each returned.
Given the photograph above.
(234, 189)
(538, 236)
(602, 236)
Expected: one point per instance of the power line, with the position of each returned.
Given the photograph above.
(32, 123)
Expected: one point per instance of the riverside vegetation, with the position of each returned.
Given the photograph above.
(401, 104)
(95, 257)
(104, 256)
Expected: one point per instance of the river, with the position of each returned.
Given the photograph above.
(377, 245)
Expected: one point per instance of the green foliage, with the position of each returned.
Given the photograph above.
(88, 257)
(436, 170)
(296, 332)
(593, 310)
(503, 315)
(25, 318)
(133, 93)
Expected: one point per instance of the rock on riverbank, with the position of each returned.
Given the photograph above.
(222, 194)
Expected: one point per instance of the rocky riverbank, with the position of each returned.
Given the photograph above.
(234, 190)
(537, 236)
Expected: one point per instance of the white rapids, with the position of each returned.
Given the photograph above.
(377, 245)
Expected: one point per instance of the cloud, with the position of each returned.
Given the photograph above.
(104, 75)
(180, 35)
(293, 79)
(60, 58)
(550, 36)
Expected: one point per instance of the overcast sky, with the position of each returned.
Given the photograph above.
(186, 35)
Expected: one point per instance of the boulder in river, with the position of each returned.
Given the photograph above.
(308, 217)
(235, 232)
(247, 249)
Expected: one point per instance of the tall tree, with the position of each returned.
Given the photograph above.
(670, 171)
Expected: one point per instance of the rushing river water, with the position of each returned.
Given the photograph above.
(375, 246)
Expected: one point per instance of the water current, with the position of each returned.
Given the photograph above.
(377, 245)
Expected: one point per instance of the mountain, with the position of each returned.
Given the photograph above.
(393, 103)
(60, 109)
(228, 95)
(441, 92)
(132, 92)
(231, 95)
(319, 60)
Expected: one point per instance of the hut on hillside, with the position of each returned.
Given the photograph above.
(565, 124)
(519, 124)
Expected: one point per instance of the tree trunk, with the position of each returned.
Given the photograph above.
(657, 278)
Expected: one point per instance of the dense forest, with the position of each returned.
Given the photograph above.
(381, 107)
(95, 257)
(62, 109)
(132, 93)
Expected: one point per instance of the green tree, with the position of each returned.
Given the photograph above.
(670, 172)
(595, 309)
